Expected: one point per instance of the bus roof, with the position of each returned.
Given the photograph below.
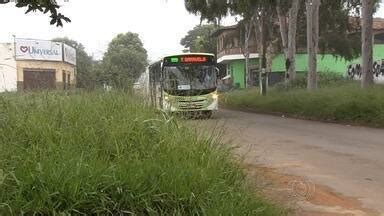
(182, 54)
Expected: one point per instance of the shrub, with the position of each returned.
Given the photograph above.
(325, 79)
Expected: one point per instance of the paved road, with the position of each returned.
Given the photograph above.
(349, 160)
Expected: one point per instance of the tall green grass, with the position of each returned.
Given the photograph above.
(108, 154)
(342, 102)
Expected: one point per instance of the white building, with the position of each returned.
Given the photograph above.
(8, 69)
(36, 65)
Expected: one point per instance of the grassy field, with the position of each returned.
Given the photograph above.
(335, 101)
(108, 154)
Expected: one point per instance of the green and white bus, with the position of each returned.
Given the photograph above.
(185, 83)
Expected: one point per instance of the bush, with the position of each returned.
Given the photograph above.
(331, 79)
(325, 79)
(107, 154)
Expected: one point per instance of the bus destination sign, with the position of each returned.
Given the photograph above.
(189, 59)
(194, 59)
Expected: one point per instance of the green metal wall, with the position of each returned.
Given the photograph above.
(237, 71)
(325, 63)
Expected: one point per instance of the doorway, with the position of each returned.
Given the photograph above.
(39, 79)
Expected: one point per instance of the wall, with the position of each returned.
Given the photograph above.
(8, 74)
(45, 65)
(325, 63)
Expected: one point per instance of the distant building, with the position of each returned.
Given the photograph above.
(38, 64)
(230, 53)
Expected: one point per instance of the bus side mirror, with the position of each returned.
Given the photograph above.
(217, 71)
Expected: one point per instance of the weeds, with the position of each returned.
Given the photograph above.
(108, 154)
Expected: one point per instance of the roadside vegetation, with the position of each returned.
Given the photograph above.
(108, 154)
(336, 100)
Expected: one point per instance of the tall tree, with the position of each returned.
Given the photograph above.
(312, 41)
(367, 46)
(292, 31)
(125, 60)
(336, 36)
(43, 6)
(199, 39)
(85, 77)
(288, 11)
(245, 9)
(283, 29)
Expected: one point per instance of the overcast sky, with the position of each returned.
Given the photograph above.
(160, 23)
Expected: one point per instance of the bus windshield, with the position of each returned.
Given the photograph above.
(189, 79)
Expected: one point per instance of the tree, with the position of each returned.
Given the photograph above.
(338, 34)
(43, 6)
(99, 76)
(257, 10)
(199, 39)
(312, 41)
(288, 34)
(367, 46)
(85, 77)
(211, 10)
(125, 60)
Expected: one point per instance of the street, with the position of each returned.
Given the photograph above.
(347, 160)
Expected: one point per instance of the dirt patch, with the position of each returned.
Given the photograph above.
(302, 196)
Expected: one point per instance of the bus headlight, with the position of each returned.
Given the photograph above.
(166, 98)
(215, 96)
